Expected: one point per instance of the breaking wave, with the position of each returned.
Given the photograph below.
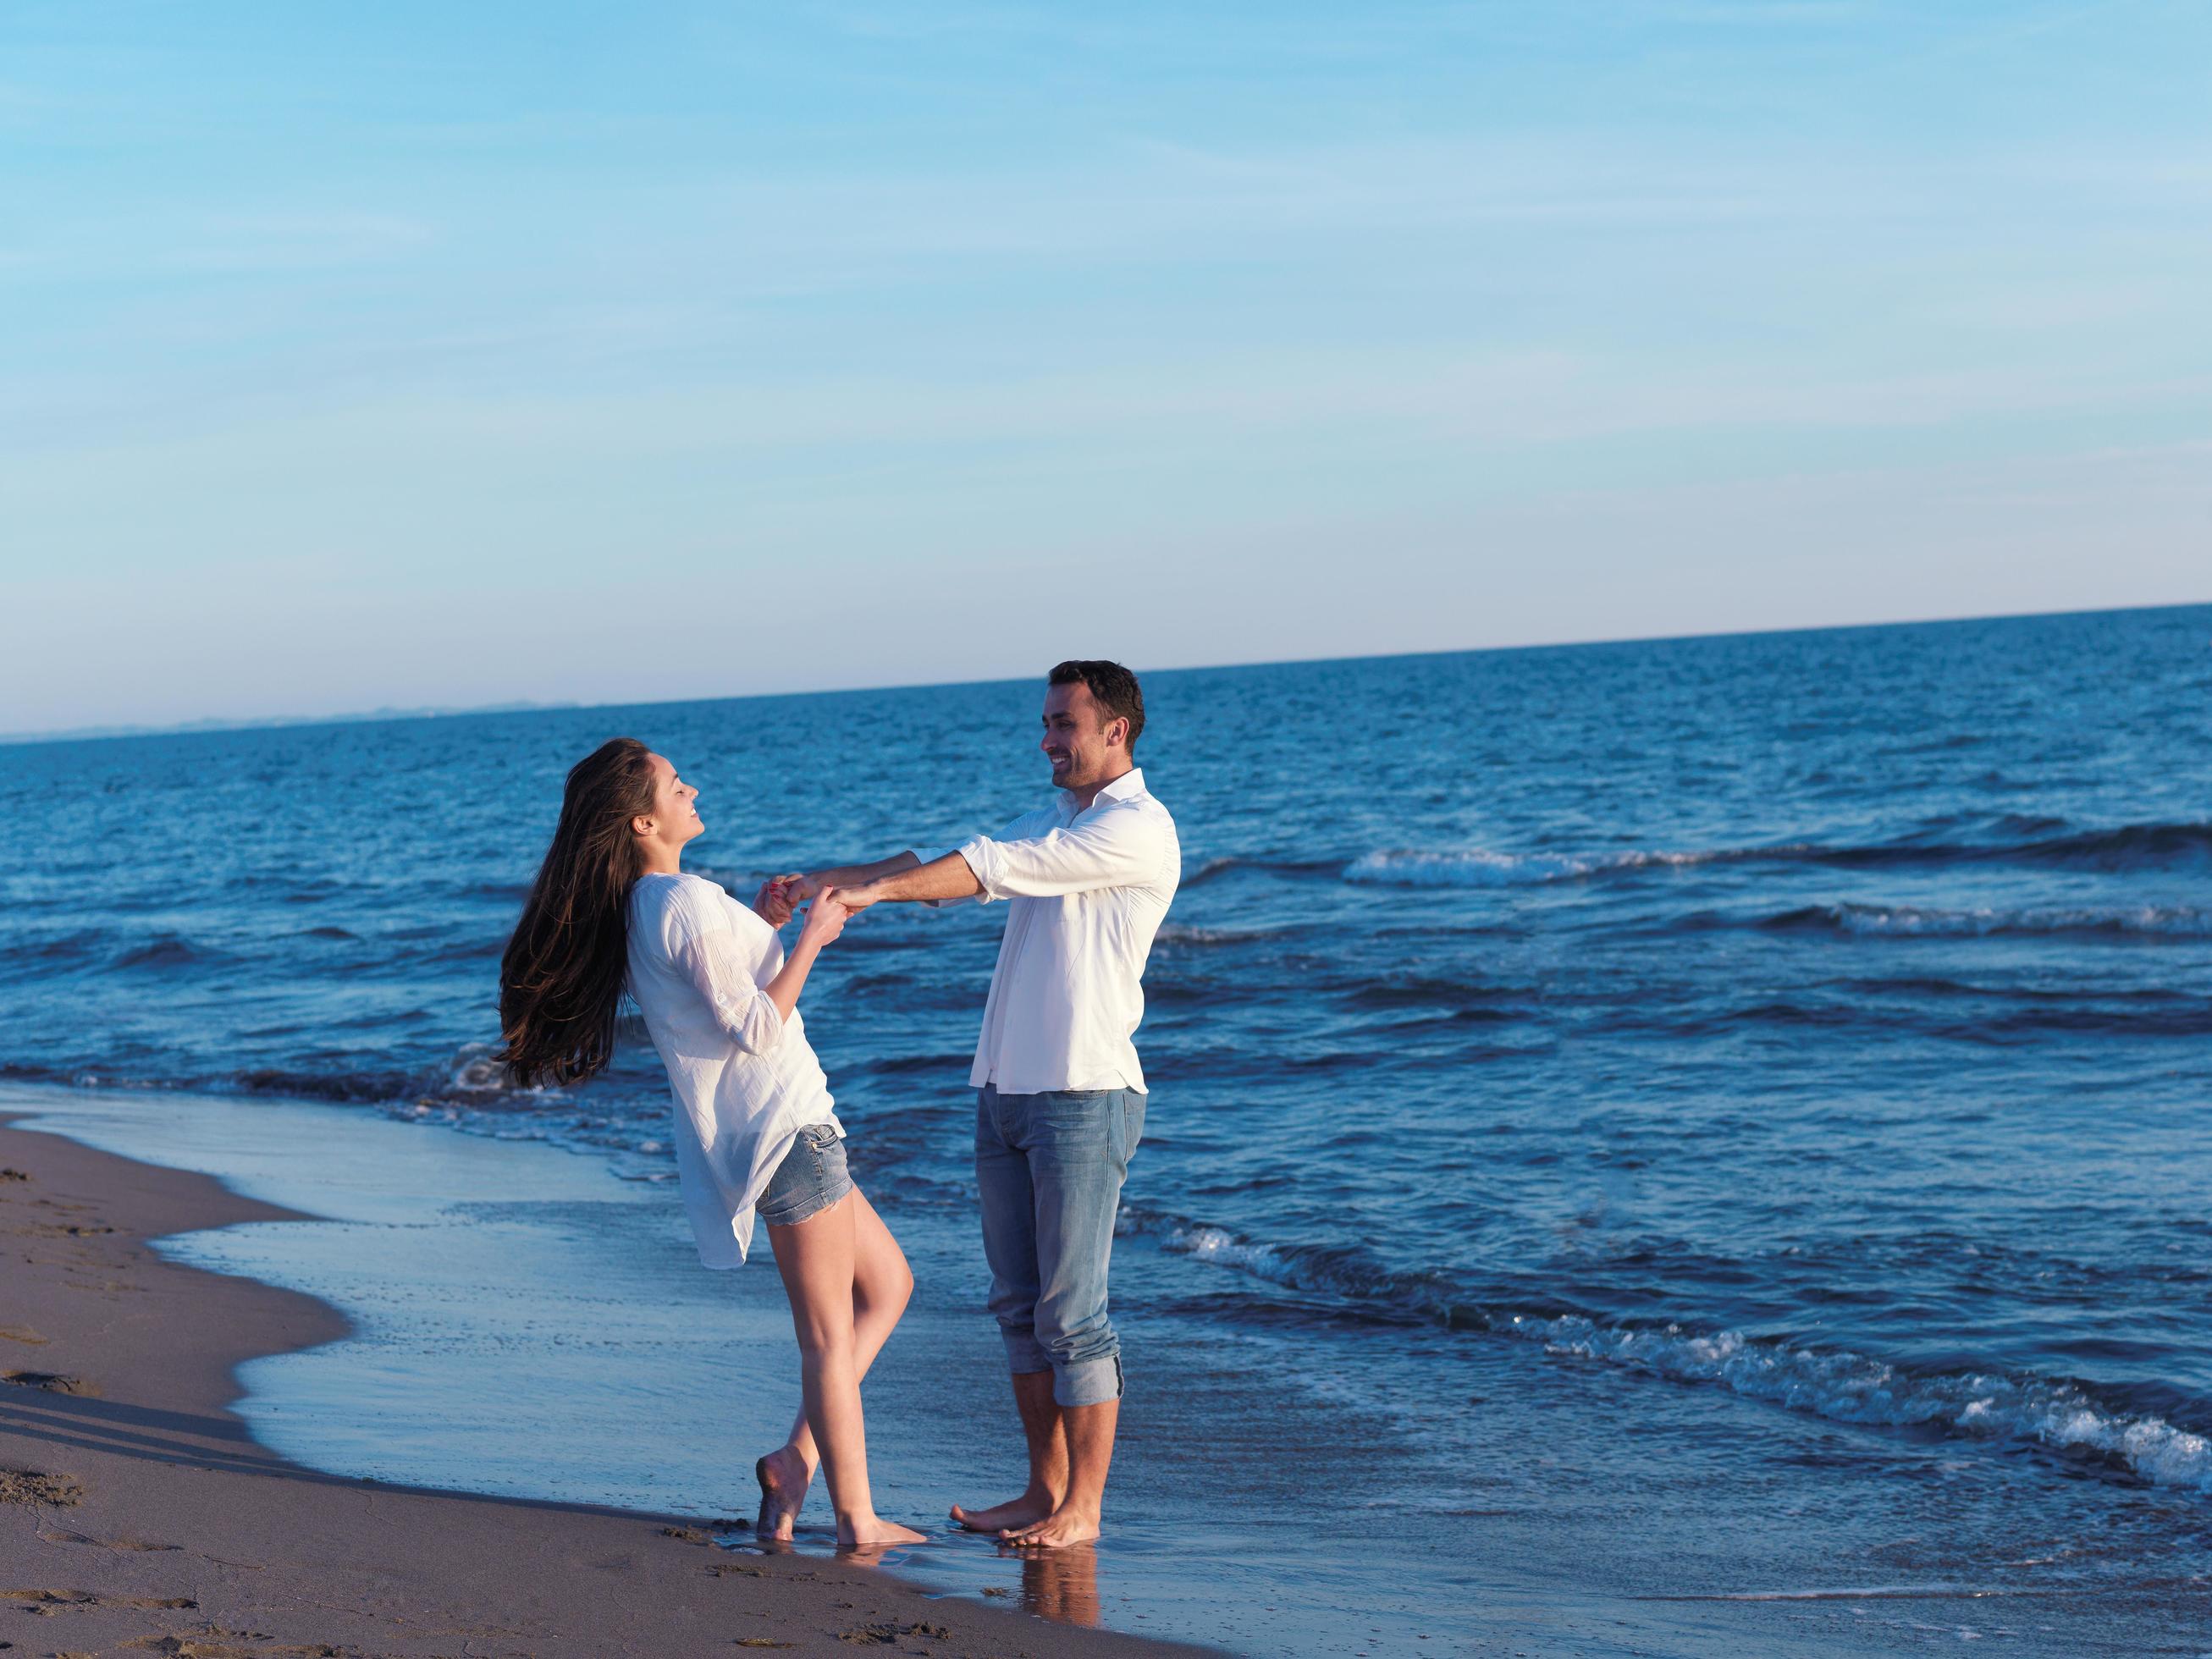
(2129, 847)
(2181, 921)
(2057, 1414)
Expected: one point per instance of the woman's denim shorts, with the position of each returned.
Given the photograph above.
(810, 1178)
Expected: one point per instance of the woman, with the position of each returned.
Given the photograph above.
(754, 1132)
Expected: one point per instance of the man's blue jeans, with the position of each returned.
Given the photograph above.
(1049, 1168)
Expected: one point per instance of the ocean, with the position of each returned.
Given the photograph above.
(1652, 1147)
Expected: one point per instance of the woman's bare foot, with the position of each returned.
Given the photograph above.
(1031, 1507)
(875, 1533)
(1063, 1527)
(784, 1477)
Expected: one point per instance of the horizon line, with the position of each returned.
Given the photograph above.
(388, 715)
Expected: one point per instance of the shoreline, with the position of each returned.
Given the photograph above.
(141, 1515)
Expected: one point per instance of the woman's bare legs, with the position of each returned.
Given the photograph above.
(881, 1284)
(843, 1271)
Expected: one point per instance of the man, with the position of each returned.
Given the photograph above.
(1061, 1107)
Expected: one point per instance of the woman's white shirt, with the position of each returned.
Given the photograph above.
(744, 1079)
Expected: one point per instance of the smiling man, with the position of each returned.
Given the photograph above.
(1087, 879)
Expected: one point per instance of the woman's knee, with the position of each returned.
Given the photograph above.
(891, 1286)
(827, 1347)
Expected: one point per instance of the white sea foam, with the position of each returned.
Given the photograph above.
(1852, 1388)
(1838, 1385)
(1477, 866)
(1179, 934)
(1913, 920)
(1220, 1246)
(473, 1071)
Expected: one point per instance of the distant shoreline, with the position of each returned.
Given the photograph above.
(388, 715)
(274, 722)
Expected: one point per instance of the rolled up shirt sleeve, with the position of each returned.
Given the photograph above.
(930, 855)
(741, 1008)
(1115, 849)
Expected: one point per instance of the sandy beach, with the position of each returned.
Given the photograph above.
(138, 1515)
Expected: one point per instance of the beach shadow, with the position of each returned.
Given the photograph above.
(213, 1441)
(187, 1439)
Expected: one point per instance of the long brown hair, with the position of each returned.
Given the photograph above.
(560, 980)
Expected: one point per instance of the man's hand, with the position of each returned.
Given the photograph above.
(801, 887)
(774, 903)
(858, 898)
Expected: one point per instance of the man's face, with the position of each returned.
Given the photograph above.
(1084, 747)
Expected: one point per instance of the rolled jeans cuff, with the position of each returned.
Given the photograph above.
(1024, 1353)
(1087, 1382)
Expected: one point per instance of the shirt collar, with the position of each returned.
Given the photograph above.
(1131, 782)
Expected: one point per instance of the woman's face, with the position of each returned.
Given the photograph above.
(675, 820)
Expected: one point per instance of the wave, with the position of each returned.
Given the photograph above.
(2058, 1415)
(1482, 867)
(42, 957)
(1844, 1387)
(498, 892)
(1174, 933)
(167, 950)
(348, 1088)
(1213, 869)
(2179, 920)
(2126, 847)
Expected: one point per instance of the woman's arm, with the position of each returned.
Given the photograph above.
(825, 919)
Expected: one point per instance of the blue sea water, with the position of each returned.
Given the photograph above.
(1672, 1131)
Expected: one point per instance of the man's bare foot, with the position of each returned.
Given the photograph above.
(876, 1534)
(1056, 1531)
(783, 1477)
(1031, 1507)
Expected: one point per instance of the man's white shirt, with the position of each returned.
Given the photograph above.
(1085, 890)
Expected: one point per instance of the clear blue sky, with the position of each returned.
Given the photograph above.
(412, 354)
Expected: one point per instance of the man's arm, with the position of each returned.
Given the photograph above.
(941, 878)
(1119, 848)
(803, 888)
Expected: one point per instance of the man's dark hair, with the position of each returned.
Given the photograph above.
(1113, 686)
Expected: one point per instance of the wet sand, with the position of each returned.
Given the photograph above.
(138, 1515)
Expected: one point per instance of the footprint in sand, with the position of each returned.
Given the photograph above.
(34, 1486)
(62, 1536)
(53, 1601)
(213, 1646)
(59, 1230)
(22, 1334)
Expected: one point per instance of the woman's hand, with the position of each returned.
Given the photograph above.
(773, 901)
(825, 919)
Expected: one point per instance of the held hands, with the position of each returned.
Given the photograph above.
(825, 918)
(780, 896)
(776, 899)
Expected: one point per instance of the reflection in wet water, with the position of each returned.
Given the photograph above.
(1060, 1584)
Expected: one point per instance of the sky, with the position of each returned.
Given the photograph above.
(416, 355)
